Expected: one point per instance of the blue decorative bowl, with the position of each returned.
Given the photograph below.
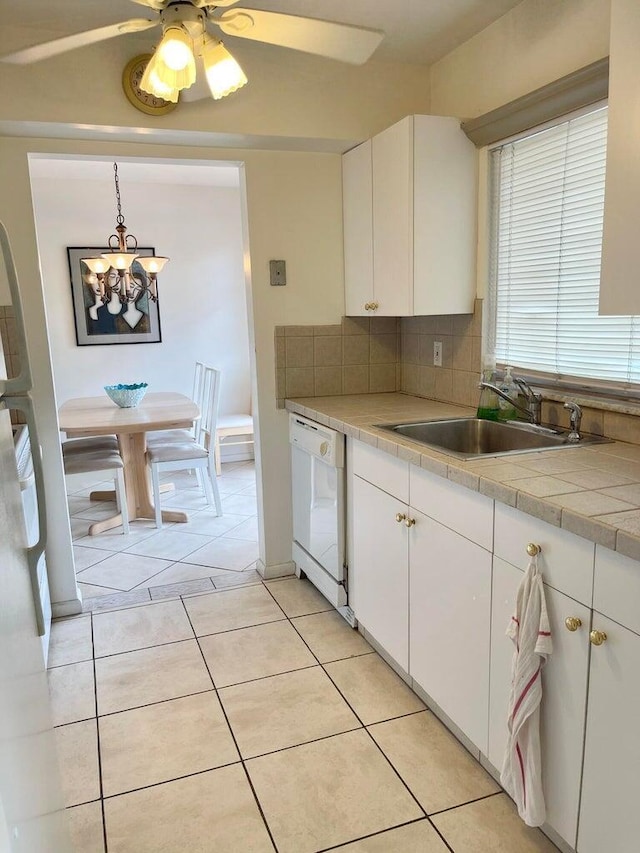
(127, 396)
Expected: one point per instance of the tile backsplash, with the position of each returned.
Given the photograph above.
(456, 381)
(360, 355)
(364, 355)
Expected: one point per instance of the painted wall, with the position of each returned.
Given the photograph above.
(537, 42)
(293, 211)
(289, 93)
(202, 297)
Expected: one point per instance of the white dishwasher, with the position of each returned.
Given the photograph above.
(318, 496)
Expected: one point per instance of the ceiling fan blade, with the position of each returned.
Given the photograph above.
(62, 45)
(325, 38)
(159, 5)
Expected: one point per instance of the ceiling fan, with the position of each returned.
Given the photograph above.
(185, 25)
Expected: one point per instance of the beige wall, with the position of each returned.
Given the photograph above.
(289, 93)
(293, 212)
(535, 43)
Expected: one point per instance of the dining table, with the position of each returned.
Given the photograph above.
(158, 410)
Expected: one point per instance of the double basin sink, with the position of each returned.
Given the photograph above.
(473, 438)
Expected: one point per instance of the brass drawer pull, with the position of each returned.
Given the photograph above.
(410, 522)
(533, 550)
(400, 516)
(597, 638)
(572, 623)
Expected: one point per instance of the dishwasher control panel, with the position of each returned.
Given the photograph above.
(317, 440)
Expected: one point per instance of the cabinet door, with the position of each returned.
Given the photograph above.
(357, 204)
(609, 814)
(392, 156)
(444, 232)
(450, 595)
(564, 680)
(379, 572)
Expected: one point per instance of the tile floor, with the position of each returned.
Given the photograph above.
(148, 564)
(250, 719)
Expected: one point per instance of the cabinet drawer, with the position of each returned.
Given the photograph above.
(468, 513)
(616, 588)
(566, 560)
(383, 470)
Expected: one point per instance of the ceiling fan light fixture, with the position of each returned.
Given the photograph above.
(172, 67)
(176, 49)
(224, 74)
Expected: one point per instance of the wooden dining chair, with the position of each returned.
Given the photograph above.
(89, 455)
(161, 437)
(189, 453)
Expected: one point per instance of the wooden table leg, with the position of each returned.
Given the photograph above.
(137, 480)
(138, 486)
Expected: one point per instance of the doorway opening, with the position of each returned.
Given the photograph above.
(190, 211)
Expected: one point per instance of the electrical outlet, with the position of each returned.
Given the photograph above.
(437, 353)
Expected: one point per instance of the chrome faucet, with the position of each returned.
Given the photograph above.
(534, 401)
(575, 418)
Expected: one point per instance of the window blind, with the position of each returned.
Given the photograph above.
(547, 208)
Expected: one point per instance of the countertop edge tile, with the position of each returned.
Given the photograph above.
(590, 528)
(355, 415)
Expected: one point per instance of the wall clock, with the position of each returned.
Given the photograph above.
(143, 101)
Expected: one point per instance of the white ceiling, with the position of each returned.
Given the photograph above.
(416, 31)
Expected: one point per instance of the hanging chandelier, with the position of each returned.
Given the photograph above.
(111, 275)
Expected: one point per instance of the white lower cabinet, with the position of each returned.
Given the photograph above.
(564, 680)
(379, 576)
(449, 614)
(609, 813)
(437, 595)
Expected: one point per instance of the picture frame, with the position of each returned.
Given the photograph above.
(98, 324)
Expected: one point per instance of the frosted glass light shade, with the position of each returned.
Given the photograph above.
(152, 264)
(172, 67)
(97, 265)
(120, 260)
(152, 84)
(224, 75)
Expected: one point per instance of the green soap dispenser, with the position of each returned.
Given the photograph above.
(507, 411)
(488, 408)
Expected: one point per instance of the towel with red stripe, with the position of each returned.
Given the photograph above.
(529, 630)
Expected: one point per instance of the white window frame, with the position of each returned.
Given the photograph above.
(561, 382)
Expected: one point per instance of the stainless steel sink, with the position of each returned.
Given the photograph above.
(470, 438)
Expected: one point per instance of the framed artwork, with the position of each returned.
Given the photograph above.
(111, 322)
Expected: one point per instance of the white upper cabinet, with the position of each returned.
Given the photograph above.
(409, 198)
(619, 293)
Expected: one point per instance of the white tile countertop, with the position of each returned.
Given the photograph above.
(592, 491)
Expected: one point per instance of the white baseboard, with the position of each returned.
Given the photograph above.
(278, 570)
(66, 608)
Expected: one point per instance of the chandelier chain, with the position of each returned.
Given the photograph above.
(120, 217)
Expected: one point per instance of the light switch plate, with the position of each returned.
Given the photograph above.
(437, 353)
(278, 273)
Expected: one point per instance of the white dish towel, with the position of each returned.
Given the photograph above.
(521, 774)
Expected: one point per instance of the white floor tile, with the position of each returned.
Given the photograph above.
(84, 557)
(123, 571)
(247, 530)
(224, 553)
(170, 544)
(240, 504)
(117, 541)
(140, 627)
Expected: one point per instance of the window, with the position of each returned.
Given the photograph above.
(547, 208)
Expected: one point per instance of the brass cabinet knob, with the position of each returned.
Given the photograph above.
(374, 306)
(572, 623)
(533, 549)
(597, 638)
(400, 516)
(409, 522)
